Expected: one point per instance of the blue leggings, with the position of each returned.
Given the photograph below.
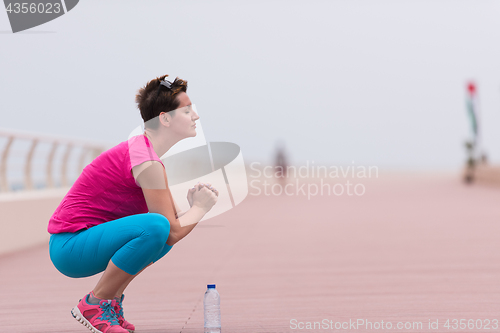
(132, 243)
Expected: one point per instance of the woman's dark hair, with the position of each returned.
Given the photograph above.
(154, 98)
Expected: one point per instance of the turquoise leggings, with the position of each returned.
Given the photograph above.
(132, 243)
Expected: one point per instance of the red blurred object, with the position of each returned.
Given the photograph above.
(471, 87)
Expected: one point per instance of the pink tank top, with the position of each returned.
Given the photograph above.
(106, 189)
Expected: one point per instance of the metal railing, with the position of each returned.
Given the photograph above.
(31, 144)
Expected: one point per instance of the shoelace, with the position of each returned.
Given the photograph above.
(108, 313)
(120, 309)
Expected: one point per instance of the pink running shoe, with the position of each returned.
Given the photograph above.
(119, 315)
(99, 318)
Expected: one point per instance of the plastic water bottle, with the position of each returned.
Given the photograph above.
(211, 305)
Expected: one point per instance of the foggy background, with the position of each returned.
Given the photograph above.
(374, 82)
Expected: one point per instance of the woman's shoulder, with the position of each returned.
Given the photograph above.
(140, 150)
(139, 142)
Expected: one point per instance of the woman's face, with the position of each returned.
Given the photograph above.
(183, 122)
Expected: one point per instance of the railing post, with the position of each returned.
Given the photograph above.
(82, 159)
(28, 182)
(95, 153)
(64, 168)
(4, 186)
(50, 159)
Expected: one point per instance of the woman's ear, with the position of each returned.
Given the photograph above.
(165, 119)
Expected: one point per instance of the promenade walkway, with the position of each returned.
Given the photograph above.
(409, 250)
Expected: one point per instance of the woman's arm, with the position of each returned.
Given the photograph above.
(160, 200)
(177, 209)
(139, 169)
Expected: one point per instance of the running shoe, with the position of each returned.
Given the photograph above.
(99, 318)
(119, 315)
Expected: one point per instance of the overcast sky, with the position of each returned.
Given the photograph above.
(374, 82)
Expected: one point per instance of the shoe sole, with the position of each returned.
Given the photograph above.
(78, 316)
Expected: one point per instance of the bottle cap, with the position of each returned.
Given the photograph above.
(210, 286)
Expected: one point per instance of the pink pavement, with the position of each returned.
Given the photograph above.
(420, 249)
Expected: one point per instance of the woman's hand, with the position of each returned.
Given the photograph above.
(210, 187)
(197, 188)
(190, 196)
(203, 195)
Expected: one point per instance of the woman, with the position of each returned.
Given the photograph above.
(119, 216)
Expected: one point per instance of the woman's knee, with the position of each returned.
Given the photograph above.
(157, 226)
